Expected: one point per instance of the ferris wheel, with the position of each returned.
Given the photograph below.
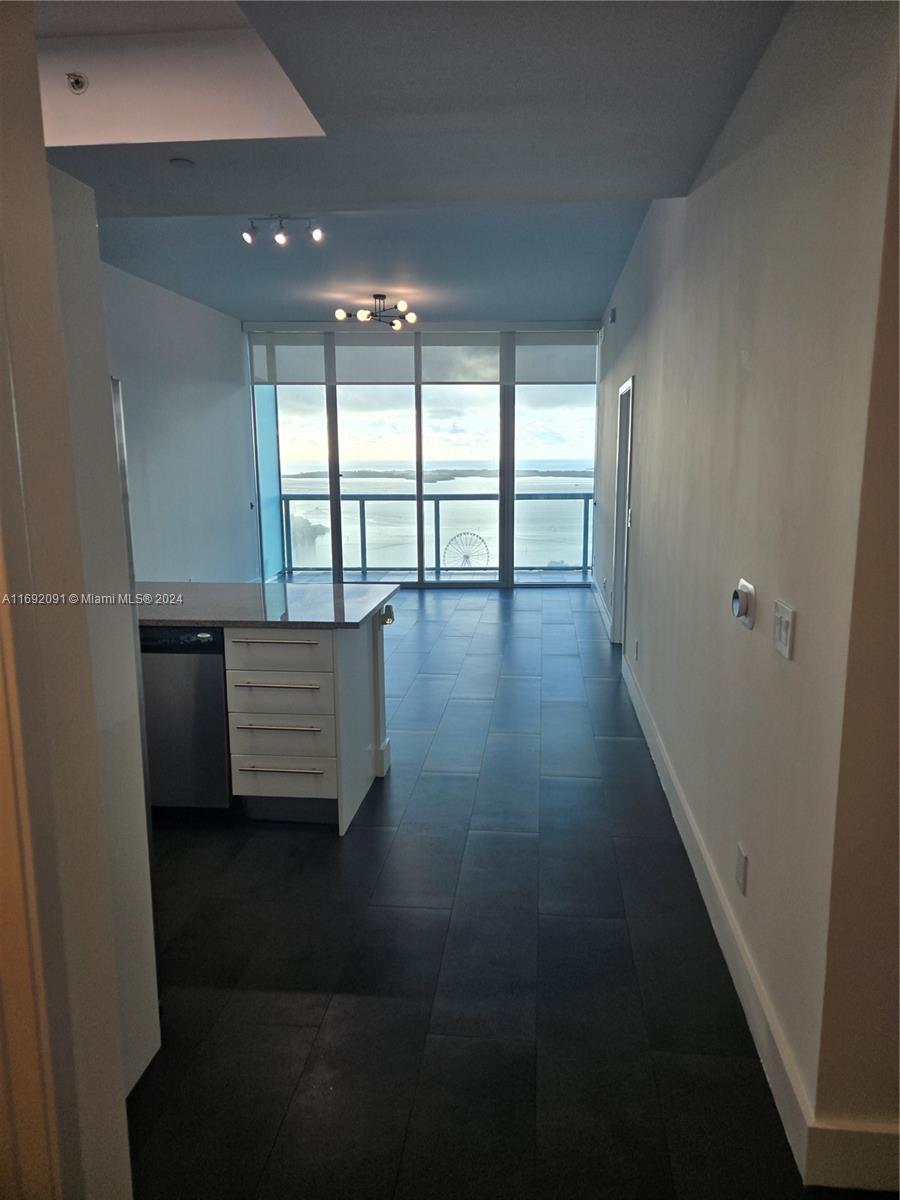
(466, 550)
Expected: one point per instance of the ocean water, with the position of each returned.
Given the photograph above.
(548, 531)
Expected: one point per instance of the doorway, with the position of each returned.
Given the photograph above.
(622, 523)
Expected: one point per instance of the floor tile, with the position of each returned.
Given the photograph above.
(499, 871)
(599, 1129)
(439, 803)
(387, 798)
(459, 742)
(517, 705)
(567, 741)
(612, 712)
(521, 656)
(343, 1133)
(625, 758)
(446, 656)
(410, 747)
(400, 670)
(561, 678)
(588, 993)
(723, 1130)
(690, 1005)
(423, 705)
(573, 806)
(508, 784)
(656, 877)
(423, 635)
(215, 1136)
(421, 870)
(599, 658)
(489, 975)
(558, 639)
(477, 678)
(638, 807)
(472, 1129)
(578, 875)
(397, 952)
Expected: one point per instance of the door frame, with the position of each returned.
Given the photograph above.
(622, 510)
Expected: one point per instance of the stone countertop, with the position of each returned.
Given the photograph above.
(290, 605)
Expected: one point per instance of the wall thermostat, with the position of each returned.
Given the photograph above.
(743, 603)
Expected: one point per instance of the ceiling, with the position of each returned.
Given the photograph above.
(529, 263)
(524, 117)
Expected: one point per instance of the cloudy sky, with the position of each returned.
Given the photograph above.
(460, 423)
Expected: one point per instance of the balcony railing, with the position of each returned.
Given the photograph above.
(436, 500)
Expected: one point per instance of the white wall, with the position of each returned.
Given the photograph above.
(58, 939)
(746, 312)
(112, 629)
(186, 396)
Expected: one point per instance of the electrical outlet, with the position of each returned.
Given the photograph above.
(783, 629)
(740, 869)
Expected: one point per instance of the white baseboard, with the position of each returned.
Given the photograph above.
(835, 1154)
(605, 615)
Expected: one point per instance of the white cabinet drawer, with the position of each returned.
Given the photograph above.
(280, 692)
(268, 649)
(280, 733)
(270, 775)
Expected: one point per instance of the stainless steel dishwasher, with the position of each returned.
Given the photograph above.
(186, 717)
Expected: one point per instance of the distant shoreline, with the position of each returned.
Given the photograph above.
(438, 475)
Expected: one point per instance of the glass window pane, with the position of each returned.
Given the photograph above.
(300, 358)
(377, 435)
(303, 448)
(364, 358)
(554, 474)
(552, 357)
(463, 358)
(460, 450)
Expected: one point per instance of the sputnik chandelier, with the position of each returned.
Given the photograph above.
(395, 315)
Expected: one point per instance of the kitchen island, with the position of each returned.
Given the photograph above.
(303, 685)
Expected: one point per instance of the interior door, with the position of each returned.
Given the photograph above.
(623, 510)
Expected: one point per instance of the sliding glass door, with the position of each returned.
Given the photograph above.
(432, 458)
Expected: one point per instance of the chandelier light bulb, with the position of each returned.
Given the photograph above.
(340, 314)
(363, 314)
(402, 306)
(281, 236)
(249, 235)
(396, 324)
(412, 318)
(316, 233)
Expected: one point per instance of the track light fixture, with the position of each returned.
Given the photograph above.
(281, 237)
(384, 313)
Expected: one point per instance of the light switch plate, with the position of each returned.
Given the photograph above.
(783, 629)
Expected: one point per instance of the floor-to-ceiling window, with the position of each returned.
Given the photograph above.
(435, 457)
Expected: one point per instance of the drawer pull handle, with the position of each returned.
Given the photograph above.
(274, 641)
(285, 728)
(294, 687)
(285, 770)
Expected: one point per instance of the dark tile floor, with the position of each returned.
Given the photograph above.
(501, 983)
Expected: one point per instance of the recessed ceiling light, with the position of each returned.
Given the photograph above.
(181, 162)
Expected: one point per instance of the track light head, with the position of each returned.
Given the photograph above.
(250, 234)
(281, 236)
(316, 233)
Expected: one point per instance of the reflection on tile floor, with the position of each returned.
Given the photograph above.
(501, 983)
